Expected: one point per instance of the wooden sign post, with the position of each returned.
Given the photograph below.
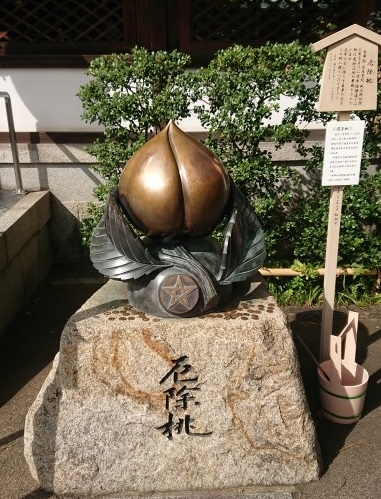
(349, 83)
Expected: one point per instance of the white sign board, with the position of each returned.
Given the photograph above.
(342, 153)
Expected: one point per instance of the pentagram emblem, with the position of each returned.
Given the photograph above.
(179, 294)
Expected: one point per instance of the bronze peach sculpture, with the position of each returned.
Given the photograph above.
(174, 186)
(174, 191)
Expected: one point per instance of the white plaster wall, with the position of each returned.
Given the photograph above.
(46, 100)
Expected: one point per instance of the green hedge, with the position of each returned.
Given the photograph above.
(135, 94)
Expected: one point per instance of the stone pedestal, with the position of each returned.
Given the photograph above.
(137, 404)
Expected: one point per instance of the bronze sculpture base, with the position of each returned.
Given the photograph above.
(173, 293)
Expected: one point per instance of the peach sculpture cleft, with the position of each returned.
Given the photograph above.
(174, 191)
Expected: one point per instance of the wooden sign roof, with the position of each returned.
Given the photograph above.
(354, 29)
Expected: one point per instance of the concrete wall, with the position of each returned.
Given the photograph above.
(25, 252)
(64, 170)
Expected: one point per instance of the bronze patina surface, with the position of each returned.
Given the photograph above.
(175, 191)
(174, 185)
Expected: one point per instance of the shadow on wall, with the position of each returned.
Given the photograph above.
(65, 232)
(31, 341)
(59, 170)
(66, 214)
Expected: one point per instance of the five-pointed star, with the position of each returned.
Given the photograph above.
(179, 292)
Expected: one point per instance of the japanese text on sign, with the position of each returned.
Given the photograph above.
(349, 77)
(342, 153)
(180, 397)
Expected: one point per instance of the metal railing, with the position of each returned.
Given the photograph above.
(12, 136)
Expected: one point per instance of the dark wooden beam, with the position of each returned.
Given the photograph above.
(363, 10)
(129, 22)
(151, 24)
(173, 24)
